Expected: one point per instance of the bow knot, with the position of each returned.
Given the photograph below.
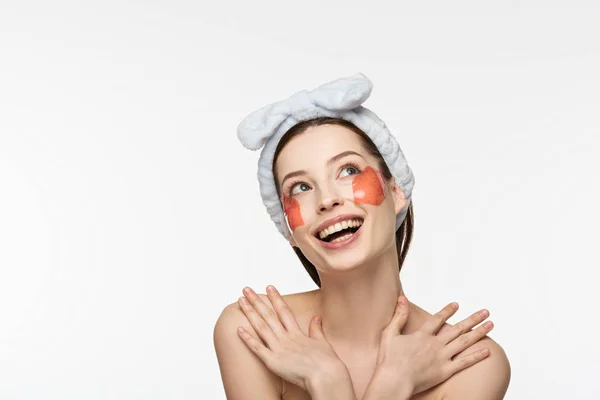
(338, 95)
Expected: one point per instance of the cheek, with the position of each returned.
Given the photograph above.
(368, 187)
(291, 208)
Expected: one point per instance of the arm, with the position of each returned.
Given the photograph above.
(247, 366)
(487, 380)
(379, 387)
(338, 387)
(307, 361)
(245, 376)
(411, 363)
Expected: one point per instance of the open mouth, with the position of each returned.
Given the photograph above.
(340, 231)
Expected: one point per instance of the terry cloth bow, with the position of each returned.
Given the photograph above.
(341, 98)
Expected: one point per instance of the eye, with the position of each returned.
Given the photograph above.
(300, 185)
(352, 168)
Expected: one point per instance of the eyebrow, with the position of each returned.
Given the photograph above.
(330, 161)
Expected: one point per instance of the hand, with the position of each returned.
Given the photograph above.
(289, 353)
(424, 357)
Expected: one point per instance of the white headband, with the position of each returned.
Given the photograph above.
(341, 98)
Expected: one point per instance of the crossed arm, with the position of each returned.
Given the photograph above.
(245, 376)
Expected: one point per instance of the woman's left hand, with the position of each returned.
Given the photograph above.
(297, 358)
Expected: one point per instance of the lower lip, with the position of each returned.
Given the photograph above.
(344, 243)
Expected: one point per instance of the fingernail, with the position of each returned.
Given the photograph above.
(247, 290)
(243, 301)
(488, 325)
(484, 313)
(402, 300)
(454, 305)
(318, 320)
(271, 288)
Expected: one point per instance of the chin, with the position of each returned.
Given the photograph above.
(345, 262)
(343, 259)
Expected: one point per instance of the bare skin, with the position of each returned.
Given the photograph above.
(360, 284)
(360, 360)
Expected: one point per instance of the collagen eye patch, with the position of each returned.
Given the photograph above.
(368, 187)
(292, 211)
(341, 98)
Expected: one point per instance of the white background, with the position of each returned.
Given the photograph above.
(130, 213)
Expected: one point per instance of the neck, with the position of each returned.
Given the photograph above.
(357, 305)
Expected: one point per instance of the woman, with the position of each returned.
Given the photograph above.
(338, 187)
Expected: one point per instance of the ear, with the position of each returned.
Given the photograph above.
(398, 196)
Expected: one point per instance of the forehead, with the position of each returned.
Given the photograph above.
(312, 148)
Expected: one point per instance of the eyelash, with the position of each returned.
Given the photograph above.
(349, 164)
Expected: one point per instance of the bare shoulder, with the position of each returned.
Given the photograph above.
(302, 305)
(486, 380)
(244, 375)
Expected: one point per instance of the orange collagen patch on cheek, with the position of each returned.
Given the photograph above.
(368, 187)
(291, 208)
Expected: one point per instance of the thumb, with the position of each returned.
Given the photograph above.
(399, 318)
(315, 329)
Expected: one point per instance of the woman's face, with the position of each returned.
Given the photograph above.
(340, 210)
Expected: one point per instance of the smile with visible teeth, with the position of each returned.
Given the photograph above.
(326, 234)
(342, 238)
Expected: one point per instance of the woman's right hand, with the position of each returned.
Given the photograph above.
(424, 358)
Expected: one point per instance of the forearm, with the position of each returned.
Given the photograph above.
(387, 385)
(335, 387)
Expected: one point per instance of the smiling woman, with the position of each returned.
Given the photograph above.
(362, 186)
(338, 187)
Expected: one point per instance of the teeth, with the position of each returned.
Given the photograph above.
(342, 238)
(338, 227)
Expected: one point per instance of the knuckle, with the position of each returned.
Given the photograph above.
(283, 307)
(282, 304)
(261, 325)
(464, 340)
(463, 362)
(255, 346)
(271, 314)
(458, 329)
(472, 358)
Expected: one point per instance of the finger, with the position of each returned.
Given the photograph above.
(254, 345)
(283, 311)
(259, 324)
(465, 340)
(463, 326)
(264, 311)
(467, 360)
(437, 320)
(398, 319)
(315, 329)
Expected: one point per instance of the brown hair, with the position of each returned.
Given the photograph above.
(404, 232)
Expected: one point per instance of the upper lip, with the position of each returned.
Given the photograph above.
(334, 220)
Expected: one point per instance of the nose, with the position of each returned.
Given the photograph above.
(329, 199)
